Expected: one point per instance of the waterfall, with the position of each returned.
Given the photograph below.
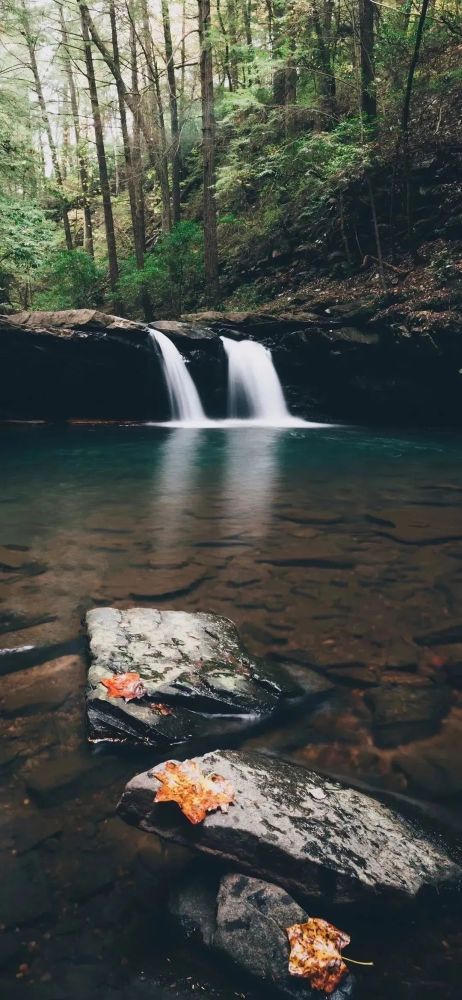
(185, 404)
(254, 389)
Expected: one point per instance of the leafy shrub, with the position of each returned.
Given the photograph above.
(172, 276)
(69, 279)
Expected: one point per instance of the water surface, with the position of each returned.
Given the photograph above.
(335, 547)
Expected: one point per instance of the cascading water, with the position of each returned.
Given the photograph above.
(254, 389)
(185, 403)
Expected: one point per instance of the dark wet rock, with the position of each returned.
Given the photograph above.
(10, 946)
(55, 779)
(310, 835)
(403, 712)
(245, 919)
(22, 835)
(23, 657)
(251, 929)
(42, 689)
(193, 903)
(25, 893)
(10, 621)
(432, 767)
(192, 664)
(442, 637)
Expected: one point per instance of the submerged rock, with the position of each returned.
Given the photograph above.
(197, 679)
(311, 835)
(246, 919)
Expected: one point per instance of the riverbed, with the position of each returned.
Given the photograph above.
(336, 548)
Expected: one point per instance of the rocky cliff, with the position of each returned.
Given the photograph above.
(352, 361)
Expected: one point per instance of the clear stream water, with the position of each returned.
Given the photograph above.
(335, 547)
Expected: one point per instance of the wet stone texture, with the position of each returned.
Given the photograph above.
(311, 835)
(197, 679)
(246, 920)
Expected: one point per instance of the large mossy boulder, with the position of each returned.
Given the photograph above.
(197, 680)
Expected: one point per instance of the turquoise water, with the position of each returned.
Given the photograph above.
(337, 548)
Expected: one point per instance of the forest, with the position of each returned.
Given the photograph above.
(160, 157)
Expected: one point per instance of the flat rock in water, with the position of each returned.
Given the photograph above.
(312, 836)
(198, 680)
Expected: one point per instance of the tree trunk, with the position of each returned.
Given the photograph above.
(327, 85)
(174, 123)
(208, 154)
(233, 41)
(136, 144)
(101, 156)
(368, 101)
(156, 112)
(284, 76)
(138, 242)
(46, 120)
(406, 111)
(81, 158)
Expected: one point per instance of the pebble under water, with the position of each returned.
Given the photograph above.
(336, 548)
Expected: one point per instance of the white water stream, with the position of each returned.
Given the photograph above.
(185, 403)
(255, 395)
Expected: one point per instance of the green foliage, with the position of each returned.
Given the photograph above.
(172, 277)
(446, 266)
(69, 279)
(26, 236)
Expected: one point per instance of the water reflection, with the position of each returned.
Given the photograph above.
(252, 465)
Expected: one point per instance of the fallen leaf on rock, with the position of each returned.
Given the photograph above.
(196, 793)
(161, 709)
(315, 953)
(127, 686)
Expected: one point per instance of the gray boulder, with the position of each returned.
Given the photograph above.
(246, 919)
(252, 920)
(193, 666)
(312, 836)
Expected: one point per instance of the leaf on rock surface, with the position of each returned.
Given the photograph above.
(128, 686)
(195, 792)
(315, 953)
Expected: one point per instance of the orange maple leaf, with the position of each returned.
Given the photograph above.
(315, 953)
(195, 792)
(127, 686)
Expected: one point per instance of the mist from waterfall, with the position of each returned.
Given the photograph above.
(185, 404)
(254, 389)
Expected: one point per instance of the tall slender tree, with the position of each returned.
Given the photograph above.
(80, 150)
(31, 41)
(174, 118)
(368, 101)
(208, 155)
(101, 157)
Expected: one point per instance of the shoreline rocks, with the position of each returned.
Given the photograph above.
(310, 835)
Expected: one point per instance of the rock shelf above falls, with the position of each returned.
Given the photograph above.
(349, 362)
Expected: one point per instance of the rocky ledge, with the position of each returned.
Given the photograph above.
(193, 680)
(364, 361)
(85, 364)
(314, 837)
